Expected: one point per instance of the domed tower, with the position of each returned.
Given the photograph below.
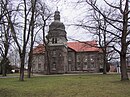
(57, 45)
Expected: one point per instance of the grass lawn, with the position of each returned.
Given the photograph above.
(90, 85)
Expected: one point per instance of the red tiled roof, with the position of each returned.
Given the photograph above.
(83, 46)
(89, 46)
(39, 49)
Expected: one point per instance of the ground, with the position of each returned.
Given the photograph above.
(83, 85)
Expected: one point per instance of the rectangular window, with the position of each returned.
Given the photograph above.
(53, 66)
(86, 59)
(85, 66)
(92, 61)
(78, 66)
(39, 66)
(78, 58)
(54, 40)
(92, 58)
(54, 53)
(69, 58)
(33, 66)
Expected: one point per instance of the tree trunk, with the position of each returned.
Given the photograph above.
(22, 58)
(21, 72)
(29, 64)
(3, 67)
(105, 48)
(32, 36)
(124, 75)
(104, 63)
(0, 68)
(47, 60)
(124, 45)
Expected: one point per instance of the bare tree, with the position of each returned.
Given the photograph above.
(5, 38)
(3, 6)
(100, 27)
(42, 16)
(32, 22)
(45, 17)
(4, 47)
(22, 28)
(102, 35)
(118, 21)
(96, 25)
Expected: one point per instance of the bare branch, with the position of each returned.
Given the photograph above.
(112, 5)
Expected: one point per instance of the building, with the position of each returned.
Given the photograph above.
(66, 57)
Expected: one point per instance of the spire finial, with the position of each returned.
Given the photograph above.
(57, 15)
(57, 8)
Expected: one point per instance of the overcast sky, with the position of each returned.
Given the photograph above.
(71, 13)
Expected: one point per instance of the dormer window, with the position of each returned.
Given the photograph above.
(54, 40)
